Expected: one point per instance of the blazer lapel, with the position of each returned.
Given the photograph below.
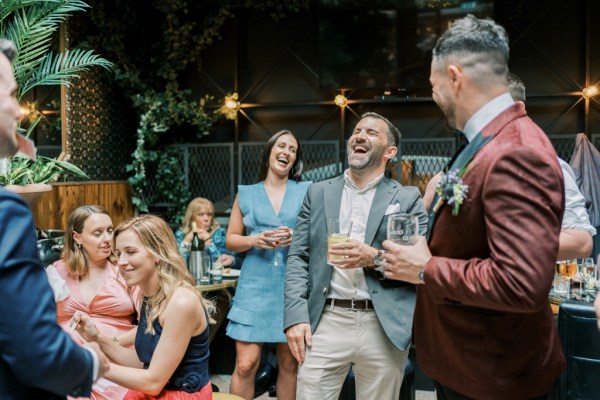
(488, 133)
(386, 190)
(333, 197)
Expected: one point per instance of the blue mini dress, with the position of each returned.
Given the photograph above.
(257, 312)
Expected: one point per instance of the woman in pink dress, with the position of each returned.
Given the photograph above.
(95, 286)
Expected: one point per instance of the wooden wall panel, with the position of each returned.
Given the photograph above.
(52, 209)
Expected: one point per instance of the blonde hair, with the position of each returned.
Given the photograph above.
(72, 254)
(158, 239)
(194, 208)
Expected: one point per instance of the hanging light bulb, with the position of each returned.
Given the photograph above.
(589, 92)
(341, 100)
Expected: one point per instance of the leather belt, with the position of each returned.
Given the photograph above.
(351, 304)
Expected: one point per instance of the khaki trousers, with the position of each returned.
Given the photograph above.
(343, 339)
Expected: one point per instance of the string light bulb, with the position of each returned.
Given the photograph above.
(589, 92)
(341, 100)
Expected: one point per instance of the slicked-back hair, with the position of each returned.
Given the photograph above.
(475, 41)
(393, 133)
(7, 47)
(296, 171)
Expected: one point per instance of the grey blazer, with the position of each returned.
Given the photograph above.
(308, 275)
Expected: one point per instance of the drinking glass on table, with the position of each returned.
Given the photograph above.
(567, 269)
(403, 228)
(337, 232)
(589, 275)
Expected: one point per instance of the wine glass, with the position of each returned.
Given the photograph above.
(403, 228)
(567, 269)
(588, 273)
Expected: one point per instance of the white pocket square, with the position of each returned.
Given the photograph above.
(392, 209)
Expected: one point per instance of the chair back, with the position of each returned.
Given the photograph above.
(580, 338)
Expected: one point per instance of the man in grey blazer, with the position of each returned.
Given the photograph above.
(349, 315)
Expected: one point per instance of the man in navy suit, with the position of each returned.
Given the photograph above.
(38, 360)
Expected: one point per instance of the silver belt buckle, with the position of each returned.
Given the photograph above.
(352, 304)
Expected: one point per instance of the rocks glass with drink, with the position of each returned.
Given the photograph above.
(337, 232)
(567, 270)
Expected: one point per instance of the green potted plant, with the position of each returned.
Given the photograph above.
(31, 24)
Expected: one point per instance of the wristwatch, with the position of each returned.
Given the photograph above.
(378, 259)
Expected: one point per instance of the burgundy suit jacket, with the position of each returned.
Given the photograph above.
(483, 324)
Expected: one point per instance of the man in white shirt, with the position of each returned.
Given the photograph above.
(348, 315)
(576, 230)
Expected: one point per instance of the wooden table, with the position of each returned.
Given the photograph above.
(209, 287)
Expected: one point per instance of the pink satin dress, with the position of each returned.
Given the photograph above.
(114, 310)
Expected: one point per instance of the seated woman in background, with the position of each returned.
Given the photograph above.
(93, 284)
(170, 359)
(202, 212)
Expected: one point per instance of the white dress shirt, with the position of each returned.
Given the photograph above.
(575, 216)
(355, 207)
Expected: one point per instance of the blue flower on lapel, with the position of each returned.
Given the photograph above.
(452, 190)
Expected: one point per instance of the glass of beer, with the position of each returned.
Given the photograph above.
(567, 269)
(337, 232)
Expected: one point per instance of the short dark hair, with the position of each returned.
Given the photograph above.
(295, 172)
(393, 132)
(516, 87)
(482, 38)
(7, 47)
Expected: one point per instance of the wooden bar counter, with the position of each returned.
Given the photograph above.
(52, 209)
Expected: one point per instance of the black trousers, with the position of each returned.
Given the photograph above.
(445, 393)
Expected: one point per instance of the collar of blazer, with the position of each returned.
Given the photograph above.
(488, 133)
(384, 194)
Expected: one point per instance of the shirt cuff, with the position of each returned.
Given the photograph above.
(96, 363)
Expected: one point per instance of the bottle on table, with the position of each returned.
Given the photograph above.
(198, 262)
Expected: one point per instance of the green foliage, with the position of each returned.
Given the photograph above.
(185, 29)
(31, 24)
(24, 171)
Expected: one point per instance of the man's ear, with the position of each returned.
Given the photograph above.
(390, 152)
(456, 75)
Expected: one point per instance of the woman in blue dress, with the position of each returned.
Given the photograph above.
(261, 223)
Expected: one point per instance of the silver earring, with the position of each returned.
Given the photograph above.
(79, 245)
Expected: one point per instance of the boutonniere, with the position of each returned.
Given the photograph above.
(452, 190)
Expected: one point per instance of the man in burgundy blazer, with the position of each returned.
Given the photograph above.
(483, 326)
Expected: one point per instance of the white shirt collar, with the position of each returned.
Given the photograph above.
(486, 114)
(370, 185)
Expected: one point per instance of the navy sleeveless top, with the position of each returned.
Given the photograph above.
(192, 373)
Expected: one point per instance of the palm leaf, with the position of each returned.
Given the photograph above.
(31, 30)
(61, 68)
(9, 7)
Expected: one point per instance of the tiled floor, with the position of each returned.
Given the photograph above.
(222, 381)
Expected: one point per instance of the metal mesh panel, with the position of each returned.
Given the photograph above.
(420, 159)
(249, 162)
(209, 172)
(564, 145)
(321, 160)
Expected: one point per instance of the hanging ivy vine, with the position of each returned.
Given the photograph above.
(151, 78)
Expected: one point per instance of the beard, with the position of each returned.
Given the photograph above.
(372, 159)
(449, 111)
